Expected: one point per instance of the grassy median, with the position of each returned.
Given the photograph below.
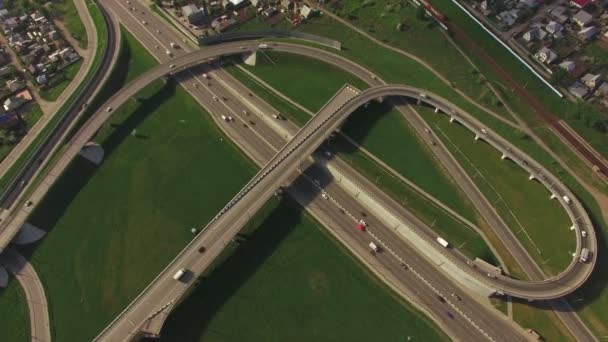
(14, 325)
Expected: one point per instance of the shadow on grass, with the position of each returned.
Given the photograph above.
(191, 318)
(597, 282)
(79, 172)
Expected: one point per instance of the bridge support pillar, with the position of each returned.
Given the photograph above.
(572, 227)
(532, 177)
(381, 99)
(476, 137)
(503, 157)
(451, 119)
(250, 58)
(436, 110)
(366, 105)
(553, 196)
(418, 102)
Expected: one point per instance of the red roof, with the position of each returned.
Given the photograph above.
(580, 3)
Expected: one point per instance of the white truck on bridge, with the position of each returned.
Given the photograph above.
(442, 242)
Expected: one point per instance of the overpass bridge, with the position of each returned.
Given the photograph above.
(148, 311)
(285, 162)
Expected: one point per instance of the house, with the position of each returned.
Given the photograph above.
(559, 14)
(288, 4)
(53, 35)
(41, 79)
(592, 81)
(270, 11)
(68, 54)
(530, 3)
(32, 69)
(5, 71)
(569, 66)
(238, 3)
(305, 12)
(578, 90)
(222, 25)
(8, 120)
(545, 55)
(580, 3)
(554, 28)
(582, 18)
(9, 24)
(588, 33)
(509, 17)
(15, 84)
(12, 103)
(193, 14)
(602, 90)
(534, 35)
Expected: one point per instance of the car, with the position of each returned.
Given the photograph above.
(144, 22)
(202, 249)
(158, 31)
(171, 66)
(245, 112)
(109, 109)
(215, 98)
(173, 45)
(327, 154)
(179, 274)
(195, 85)
(441, 299)
(583, 233)
(128, 2)
(324, 195)
(29, 203)
(363, 223)
(484, 131)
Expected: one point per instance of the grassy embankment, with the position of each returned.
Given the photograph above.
(14, 325)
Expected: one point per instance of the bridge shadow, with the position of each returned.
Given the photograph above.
(257, 242)
(77, 175)
(242, 258)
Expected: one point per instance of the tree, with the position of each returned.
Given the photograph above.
(421, 13)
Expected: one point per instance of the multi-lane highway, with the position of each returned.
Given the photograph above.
(170, 291)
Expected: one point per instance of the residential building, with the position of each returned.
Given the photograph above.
(592, 80)
(569, 66)
(582, 18)
(559, 14)
(534, 35)
(305, 12)
(588, 33)
(579, 90)
(602, 90)
(193, 14)
(554, 28)
(545, 55)
(580, 3)
(41, 79)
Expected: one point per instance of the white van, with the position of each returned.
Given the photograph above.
(179, 274)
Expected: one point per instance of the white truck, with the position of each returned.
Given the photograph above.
(566, 199)
(442, 242)
(584, 255)
(374, 247)
(179, 274)
(263, 46)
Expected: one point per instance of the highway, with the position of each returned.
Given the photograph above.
(186, 61)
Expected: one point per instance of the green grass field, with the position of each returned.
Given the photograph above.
(291, 282)
(524, 205)
(66, 12)
(14, 325)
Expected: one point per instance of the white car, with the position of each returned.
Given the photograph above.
(324, 195)
(171, 66)
(144, 22)
(583, 233)
(29, 203)
(109, 109)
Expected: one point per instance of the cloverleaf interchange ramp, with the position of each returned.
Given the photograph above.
(288, 159)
